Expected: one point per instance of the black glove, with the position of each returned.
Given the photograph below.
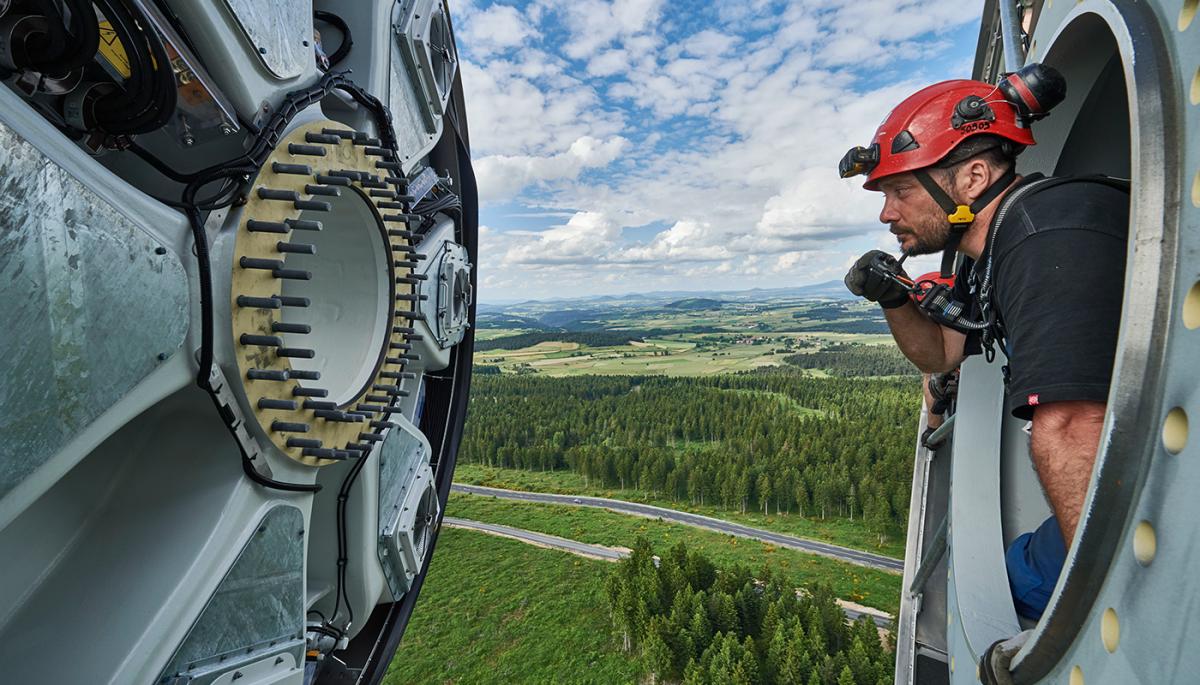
(943, 387)
(865, 282)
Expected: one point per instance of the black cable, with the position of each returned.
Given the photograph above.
(148, 100)
(236, 172)
(85, 35)
(339, 24)
(44, 51)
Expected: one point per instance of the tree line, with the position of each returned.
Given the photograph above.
(775, 440)
(689, 622)
(593, 338)
(855, 360)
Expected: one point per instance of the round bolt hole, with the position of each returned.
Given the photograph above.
(1110, 630)
(1145, 543)
(1175, 430)
(1191, 305)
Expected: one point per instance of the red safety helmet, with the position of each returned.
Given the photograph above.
(930, 123)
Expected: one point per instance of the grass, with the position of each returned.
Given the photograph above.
(853, 534)
(500, 611)
(688, 354)
(596, 526)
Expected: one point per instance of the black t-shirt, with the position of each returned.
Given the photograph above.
(1058, 280)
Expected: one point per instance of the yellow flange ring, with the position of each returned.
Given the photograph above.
(312, 163)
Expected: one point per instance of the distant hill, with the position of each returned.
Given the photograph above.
(835, 290)
(693, 303)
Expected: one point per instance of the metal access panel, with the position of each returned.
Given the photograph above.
(256, 615)
(408, 507)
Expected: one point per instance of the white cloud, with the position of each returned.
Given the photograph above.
(743, 114)
(503, 176)
(497, 28)
(586, 238)
(686, 241)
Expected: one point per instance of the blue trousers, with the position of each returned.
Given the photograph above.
(1034, 561)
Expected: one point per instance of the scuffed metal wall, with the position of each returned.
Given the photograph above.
(90, 304)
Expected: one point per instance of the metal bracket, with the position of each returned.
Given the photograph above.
(231, 414)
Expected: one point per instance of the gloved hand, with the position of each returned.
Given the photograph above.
(943, 387)
(864, 282)
(996, 660)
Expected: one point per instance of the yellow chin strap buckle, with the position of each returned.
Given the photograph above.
(961, 215)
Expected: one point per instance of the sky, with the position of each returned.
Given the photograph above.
(640, 145)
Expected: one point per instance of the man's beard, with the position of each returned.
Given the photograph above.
(931, 237)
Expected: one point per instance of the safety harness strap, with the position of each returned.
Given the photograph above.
(960, 216)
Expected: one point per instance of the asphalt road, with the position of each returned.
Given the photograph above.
(595, 551)
(538, 538)
(853, 556)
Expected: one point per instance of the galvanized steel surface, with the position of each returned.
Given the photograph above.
(258, 604)
(88, 307)
(281, 32)
(401, 458)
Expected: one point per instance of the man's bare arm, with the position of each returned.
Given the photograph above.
(931, 347)
(1064, 442)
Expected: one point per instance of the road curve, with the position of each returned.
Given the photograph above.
(853, 556)
(880, 618)
(536, 538)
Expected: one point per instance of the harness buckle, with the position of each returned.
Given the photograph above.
(962, 215)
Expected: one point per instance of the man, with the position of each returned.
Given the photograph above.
(1044, 281)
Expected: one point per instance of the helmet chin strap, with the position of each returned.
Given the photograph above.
(960, 216)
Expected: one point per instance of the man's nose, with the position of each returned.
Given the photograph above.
(888, 215)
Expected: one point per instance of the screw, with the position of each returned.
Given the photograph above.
(305, 43)
(160, 250)
(188, 140)
(162, 356)
(262, 51)
(226, 130)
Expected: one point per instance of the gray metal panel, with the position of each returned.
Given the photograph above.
(257, 608)
(403, 466)
(417, 128)
(88, 306)
(978, 591)
(281, 32)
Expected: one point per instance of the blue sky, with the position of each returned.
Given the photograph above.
(639, 145)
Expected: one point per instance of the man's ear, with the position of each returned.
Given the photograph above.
(973, 178)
